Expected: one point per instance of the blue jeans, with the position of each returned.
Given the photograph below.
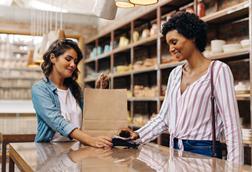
(203, 147)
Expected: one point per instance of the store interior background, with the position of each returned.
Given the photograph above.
(23, 22)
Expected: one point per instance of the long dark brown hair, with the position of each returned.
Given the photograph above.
(58, 48)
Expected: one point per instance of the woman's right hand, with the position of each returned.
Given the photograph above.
(100, 142)
(133, 135)
(102, 82)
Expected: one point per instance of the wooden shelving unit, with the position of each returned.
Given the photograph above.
(243, 97)
(122, 74)
(155, 47)
(233, 54)
(233, 12)
(143, 99)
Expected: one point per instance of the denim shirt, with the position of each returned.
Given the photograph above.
(47, 106)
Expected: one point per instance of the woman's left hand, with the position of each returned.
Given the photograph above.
(102, 81)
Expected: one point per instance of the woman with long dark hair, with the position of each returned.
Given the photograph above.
(58, 100)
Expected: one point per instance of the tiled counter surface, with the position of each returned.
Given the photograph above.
(71, 157)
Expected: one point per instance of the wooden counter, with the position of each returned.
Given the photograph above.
(71, 157)
(8, 137)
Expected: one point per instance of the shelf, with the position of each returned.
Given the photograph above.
(247, 143)
(14, 58)
(243, 96)
(143, 99)
(19, 52)
(145, 41)
(19, 78)
(149, 69)
(219, 56)
(33, 69)
(21, 43)
(169, 5)
(120, 49)
(89, 60)
(15, 87)
(121, 74)
(171, 65)
(233, 12)
(89, 79)
(135, 44)
(16, 106)
(103, 55)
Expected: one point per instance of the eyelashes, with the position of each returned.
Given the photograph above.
(70, 58)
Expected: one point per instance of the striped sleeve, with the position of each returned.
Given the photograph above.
(157, 125)
(228, 109)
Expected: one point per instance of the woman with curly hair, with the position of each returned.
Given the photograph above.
(186, 110)
(57, 98)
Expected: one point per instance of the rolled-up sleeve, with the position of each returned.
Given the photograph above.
(46, 109)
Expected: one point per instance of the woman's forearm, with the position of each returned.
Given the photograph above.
(80, 136)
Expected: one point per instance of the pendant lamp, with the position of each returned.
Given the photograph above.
(124, 4)
(143, 2)
(105, 9)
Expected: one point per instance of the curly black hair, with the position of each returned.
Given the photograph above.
(58, 48)
(190, 26)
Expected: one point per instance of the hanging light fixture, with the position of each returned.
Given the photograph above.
(143, 2)
(105, 9)
(124, 4)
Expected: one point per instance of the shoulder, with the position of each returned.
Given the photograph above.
(40, 87)
(220, 64)
(176, 71)
(221, 67)
(222, 72)
(39, 84)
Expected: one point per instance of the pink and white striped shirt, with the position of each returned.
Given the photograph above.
(188, 115)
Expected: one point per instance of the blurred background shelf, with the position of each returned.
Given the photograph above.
(16, 107)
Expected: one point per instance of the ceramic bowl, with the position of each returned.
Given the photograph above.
(231, 47)
(245, 43)
(216, 45)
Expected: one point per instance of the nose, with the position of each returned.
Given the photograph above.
(171, 49)
(72, 64)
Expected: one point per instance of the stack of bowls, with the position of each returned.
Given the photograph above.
(247, 135)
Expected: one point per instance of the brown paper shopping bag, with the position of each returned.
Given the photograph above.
(105, 111)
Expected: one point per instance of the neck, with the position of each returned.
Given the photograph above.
(57, 80)
(196, 60)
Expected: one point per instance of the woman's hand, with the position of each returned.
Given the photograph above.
(100, 142)
(102, 81)
(129, 133)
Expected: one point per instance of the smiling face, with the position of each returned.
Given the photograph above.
(65, 64)
(180, 47)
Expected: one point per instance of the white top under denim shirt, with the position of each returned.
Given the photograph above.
(70, 110)
(48, 111)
